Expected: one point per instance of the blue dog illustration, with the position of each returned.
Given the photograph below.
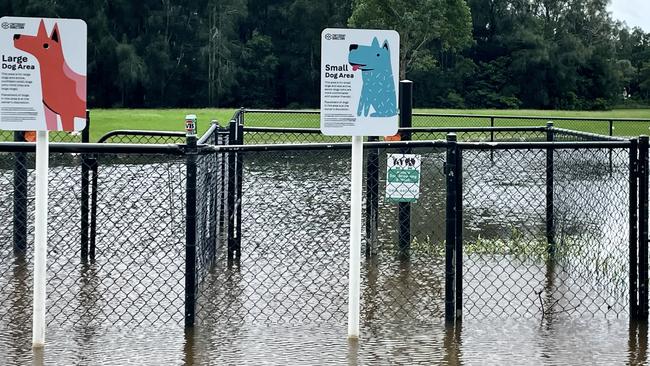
(378, 88)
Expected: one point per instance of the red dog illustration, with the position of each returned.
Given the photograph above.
(64, 91)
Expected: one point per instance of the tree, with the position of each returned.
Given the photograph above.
(222, 47)
(131, 68)
(425, 27)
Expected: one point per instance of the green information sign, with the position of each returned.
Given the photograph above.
(403, 177)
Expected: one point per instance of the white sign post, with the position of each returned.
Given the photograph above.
(359, 96)
(42, 88)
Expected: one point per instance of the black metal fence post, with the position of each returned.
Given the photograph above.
(85, 191)
(20, 198)
(451, 172)
(232, 140)
(221, 140)
(405, 121)
(492, 139)
(633, 207)
(459, 233)
(215, 190)
(643, 227)
(550, 223)
(372, 198)
(190, 228)
(239, 179)
(94, 167)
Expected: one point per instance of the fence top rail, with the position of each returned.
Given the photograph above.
(412, 129)
(455, 115)
(205, 149)
(545, 145)
(214, 128)
(588, 134)
(320, 146)
(139, 133)
(96, 148)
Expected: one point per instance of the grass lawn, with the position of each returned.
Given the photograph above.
(105, 120)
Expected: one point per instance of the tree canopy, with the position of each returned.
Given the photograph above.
(551, 54)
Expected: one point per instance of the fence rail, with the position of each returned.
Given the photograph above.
(622, 127)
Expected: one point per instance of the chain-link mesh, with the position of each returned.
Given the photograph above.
(596, 125)
(294, 242)
(436, 120)
(630, 128)
(291, 207)
(287, 136)
(140, 239)
(263, 135)
(484, 134)
(293, 264)
(54, 136)
(136, 278)
(144, 137)
(404, 267)
(212, 212)
(512, 267)
(283, 119)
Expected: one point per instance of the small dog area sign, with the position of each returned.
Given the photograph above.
(42, 74)
(359, 82)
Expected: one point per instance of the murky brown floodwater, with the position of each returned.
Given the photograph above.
(286, 302)
(502, 342)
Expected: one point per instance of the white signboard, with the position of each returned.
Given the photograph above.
(359, 82)
(403, 177)
(42, 74)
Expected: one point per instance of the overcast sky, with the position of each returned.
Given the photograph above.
(634, 12)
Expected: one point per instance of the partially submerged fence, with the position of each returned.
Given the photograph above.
(220, 231)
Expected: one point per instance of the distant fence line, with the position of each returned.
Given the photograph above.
(623, 127)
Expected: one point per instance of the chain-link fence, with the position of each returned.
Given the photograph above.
(625, 127)
(531, 252)
(245, 234)
(143, 137)
(132, 275)
(54, 136)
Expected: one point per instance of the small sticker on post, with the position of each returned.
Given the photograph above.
(190, 125)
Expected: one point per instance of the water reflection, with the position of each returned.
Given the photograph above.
(554, 340)
(638, 343)
(38, 356)
(452, 344)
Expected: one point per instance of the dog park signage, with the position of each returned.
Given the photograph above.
(359, 79)
(403, 177)
(42, 74)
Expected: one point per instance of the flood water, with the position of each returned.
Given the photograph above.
(286, 300)
(561, 342)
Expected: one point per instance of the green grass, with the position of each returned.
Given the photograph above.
(105, 120)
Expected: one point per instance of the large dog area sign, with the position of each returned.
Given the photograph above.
(42, 74)
(42, 88)
(359, 79)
